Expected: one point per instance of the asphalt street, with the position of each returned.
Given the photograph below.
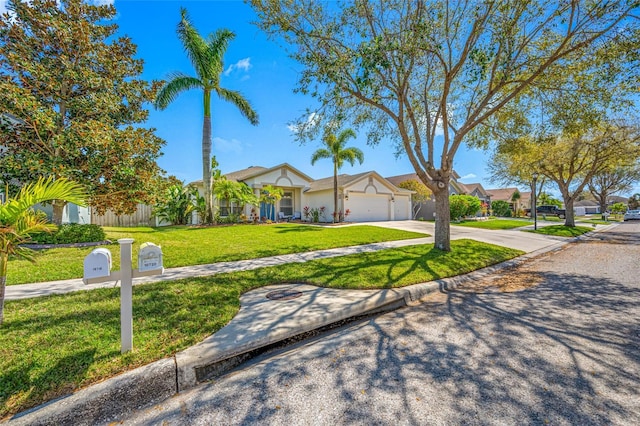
(554, 341)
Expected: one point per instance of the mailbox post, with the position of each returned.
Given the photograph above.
(126, 295)
(97, 269)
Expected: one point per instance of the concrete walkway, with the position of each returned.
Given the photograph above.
(264, 319)
(516, 239)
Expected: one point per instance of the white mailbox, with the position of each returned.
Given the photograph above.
(149, 257)
(97, 264)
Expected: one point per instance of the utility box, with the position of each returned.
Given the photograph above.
(97, 264)
(149, 257)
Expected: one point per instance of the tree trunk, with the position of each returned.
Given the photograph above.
(4, 260)
(569, 219)
(336, 216)
(58, 209)
(206, 169)
(442, 237)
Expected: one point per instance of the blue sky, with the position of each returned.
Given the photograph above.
(262, 71)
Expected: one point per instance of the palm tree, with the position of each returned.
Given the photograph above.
(18, 220)
(207, 59)
(335, 149)
(270, 195)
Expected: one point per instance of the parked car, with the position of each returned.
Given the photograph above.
(548, 211)
(632, 215)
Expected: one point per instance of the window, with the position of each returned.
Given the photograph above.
(225, 211)
(286, 203)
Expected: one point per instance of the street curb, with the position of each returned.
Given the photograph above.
(145, 386)
(109, 400)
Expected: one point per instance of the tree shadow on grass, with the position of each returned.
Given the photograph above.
(23, 383)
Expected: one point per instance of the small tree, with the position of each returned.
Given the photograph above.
(618, 208)
(634, 201)
(420, 195)
(546, 199)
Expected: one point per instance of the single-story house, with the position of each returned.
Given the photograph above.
(367, 196)
(584, 207)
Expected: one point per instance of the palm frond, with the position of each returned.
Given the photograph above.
(238, 100)
(41, 191)
(351, 155)
(194, 45)
(319, 154)
(177, 83)
(217, 45)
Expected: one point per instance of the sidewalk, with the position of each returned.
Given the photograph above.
(526, 242)
(267, 316)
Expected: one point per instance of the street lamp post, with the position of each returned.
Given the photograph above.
(534, 207)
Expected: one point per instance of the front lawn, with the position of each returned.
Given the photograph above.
(51, 346)
(183, 246)
(494, 223)
(562, 231)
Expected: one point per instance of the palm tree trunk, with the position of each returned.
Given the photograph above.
(58, 210)
(4, 260)
(335, 193)
(206, 159)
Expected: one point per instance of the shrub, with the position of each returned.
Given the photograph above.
(501, 208)
(70, 233)
(458, 206)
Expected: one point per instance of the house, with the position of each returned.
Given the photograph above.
(428, 208)
(517, 203)
(368, 196)
(584, 207)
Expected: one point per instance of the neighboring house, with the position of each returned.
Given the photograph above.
(507, 194)
(427, 209)
(368, 196)
(584, 207)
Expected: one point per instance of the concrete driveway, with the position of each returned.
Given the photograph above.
(512, 238)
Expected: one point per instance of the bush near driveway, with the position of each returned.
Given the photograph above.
(51, 346)
(183, 246)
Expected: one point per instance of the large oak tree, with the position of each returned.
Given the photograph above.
(75, 91)
(429, 74)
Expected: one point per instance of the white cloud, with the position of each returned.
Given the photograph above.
(468, 176)
(242, 65)
(312, 120)
(103, 2)
(223, 145)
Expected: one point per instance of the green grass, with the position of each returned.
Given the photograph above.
(183, 246)
(494, 223)
(563, 231)
(51, 346)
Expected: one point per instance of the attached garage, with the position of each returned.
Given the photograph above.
(368, 207)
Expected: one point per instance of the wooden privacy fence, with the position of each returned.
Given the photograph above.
(142, 217)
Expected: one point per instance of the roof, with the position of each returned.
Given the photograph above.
(327, 183)
(346, 180)
(475, 186)
(243, 174)
(252, 171)
(502, 194)
(397, 180)
(585, 203)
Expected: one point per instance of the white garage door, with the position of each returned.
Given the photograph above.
(402, 209)
(368, 207)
